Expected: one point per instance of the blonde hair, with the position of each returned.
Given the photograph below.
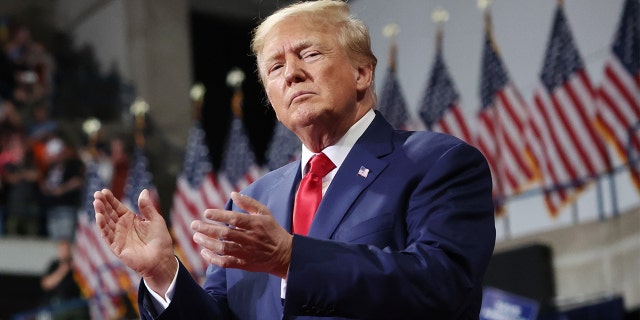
(352, 34)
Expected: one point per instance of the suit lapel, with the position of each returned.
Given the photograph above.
(281, 195)
(349, 182)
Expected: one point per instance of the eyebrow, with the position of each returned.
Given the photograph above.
(298, 46)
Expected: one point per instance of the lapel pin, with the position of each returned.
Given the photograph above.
(363, 172)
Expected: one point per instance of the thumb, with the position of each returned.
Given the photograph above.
(147, 209)
(249, 204)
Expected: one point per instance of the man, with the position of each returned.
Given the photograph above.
(61, 291)
(404, 230)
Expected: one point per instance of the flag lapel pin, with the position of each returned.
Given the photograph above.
(363, 172)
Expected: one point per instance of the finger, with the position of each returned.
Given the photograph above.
(98, 204)
(222, 261)
(116, 205)
(99, 208)
(103, 217)
(249, 204)
(114, 209)
(103, 209)
(147, 209)
(219, 231)
(228, 218)
(217, 246)
(206, 228)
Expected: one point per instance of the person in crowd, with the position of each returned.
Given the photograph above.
(404, 228)
(61, 291)
(119, 152)
(20, 182)
(62, 188)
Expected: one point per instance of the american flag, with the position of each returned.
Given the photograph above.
(283, 148)
(238, 168)
(196, 191)
(439, 109)
(566, 147)
(391, 103)
(503, 121)
(619, 92)
(101, 275)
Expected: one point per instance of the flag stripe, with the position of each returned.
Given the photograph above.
(543, 104)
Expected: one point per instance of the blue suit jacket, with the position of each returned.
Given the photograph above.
(410, 239)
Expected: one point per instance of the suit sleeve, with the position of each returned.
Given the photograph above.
(450, 236)
(190, 301)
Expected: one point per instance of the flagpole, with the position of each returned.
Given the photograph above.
(235, 78)
(614, 193)
(197, 94)
(139, 109)
(91, 128)
(391, 31)
(439, 17)
(499, 196)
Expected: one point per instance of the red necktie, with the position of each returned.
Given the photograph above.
(310, 193)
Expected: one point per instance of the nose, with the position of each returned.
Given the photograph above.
(293, 71)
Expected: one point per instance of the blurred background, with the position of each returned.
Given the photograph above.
(164, 95)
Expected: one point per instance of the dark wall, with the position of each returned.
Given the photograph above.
(218, 45)
(19, 293)
(525, 271)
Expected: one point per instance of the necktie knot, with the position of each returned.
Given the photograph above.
(320, 165)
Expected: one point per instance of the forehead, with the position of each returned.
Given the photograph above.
(297, 33)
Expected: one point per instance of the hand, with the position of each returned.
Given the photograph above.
(253, 242)
(64, 266)
(142, 241)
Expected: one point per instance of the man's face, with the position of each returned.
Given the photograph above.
(309, 80)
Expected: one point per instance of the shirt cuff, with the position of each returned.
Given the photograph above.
(283, 288)
(161, 303)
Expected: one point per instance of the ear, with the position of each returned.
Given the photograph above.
(364, 77)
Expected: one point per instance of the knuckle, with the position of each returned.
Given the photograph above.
(224, 233)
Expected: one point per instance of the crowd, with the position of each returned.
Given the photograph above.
(41, 167)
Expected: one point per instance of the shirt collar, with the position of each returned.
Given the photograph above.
(339, 151)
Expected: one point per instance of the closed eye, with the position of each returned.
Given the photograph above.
(275, 68)
(311, 55)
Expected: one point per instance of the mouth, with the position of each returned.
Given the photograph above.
(299, 95)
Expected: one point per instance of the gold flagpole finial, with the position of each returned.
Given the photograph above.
(390, 30)
(440, 15)
(235, 78)
(197, 92)
(91, 126)
(484, 4)
(139, 107)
